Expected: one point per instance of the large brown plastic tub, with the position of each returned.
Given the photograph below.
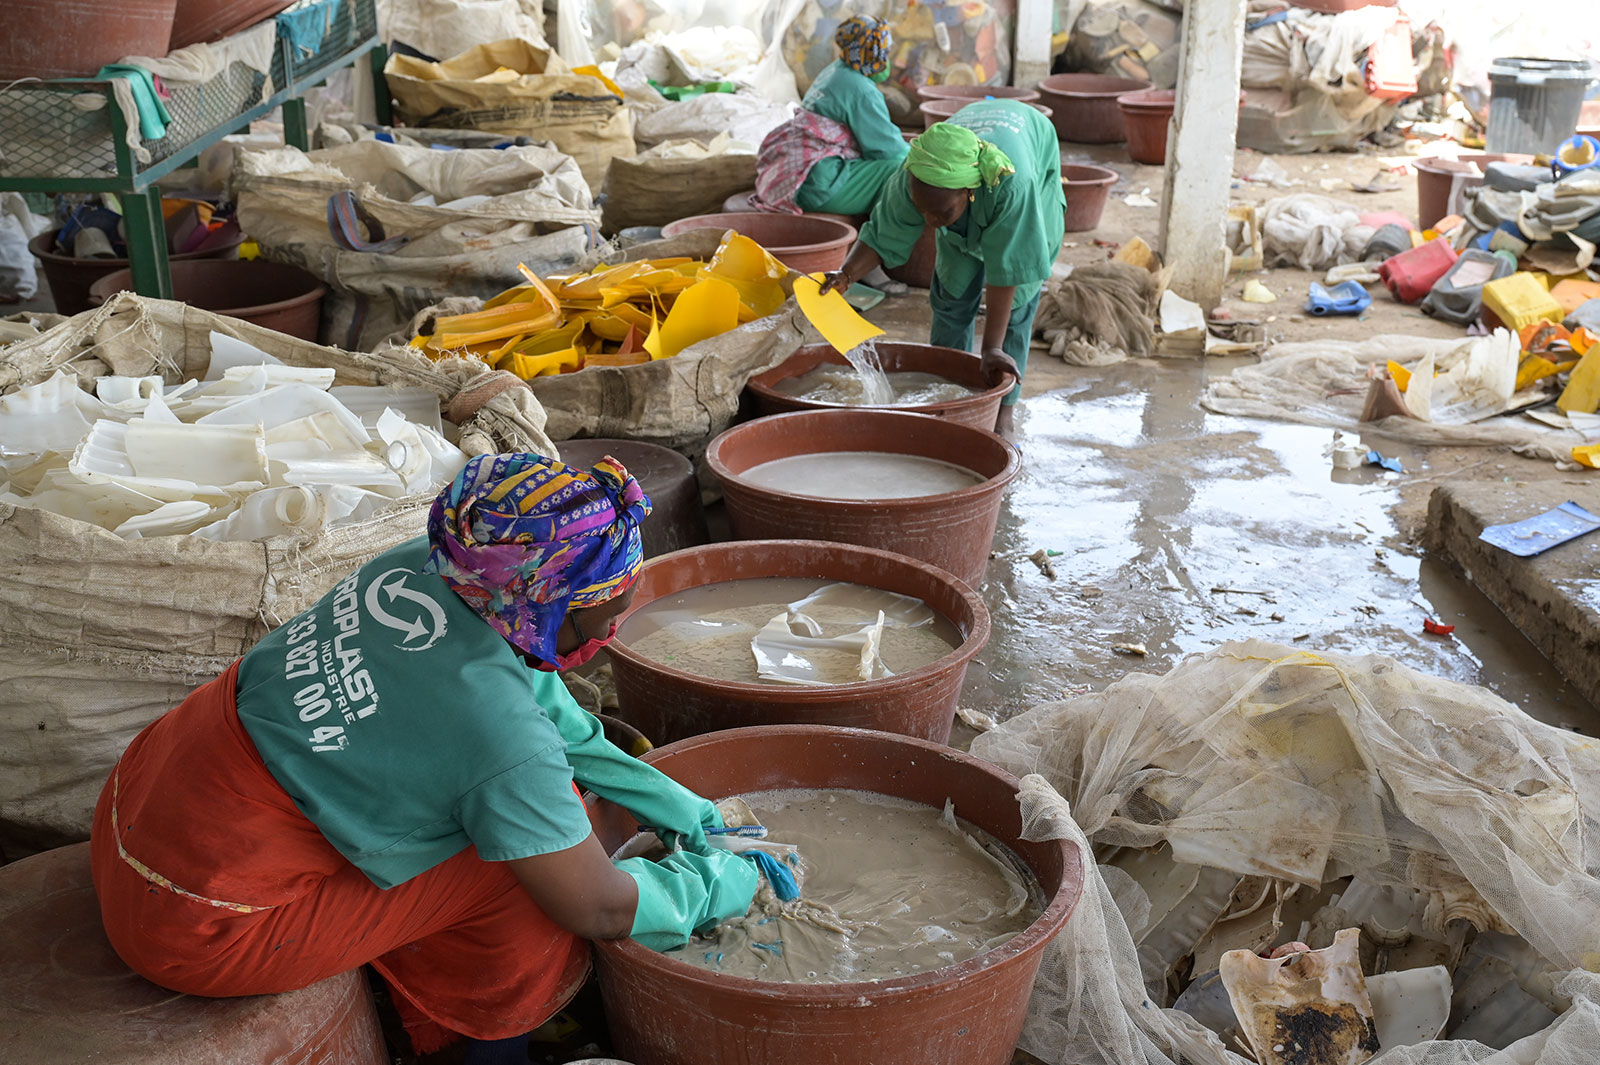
(936, 111)
(667, 704)
(271, 295)
(1087, 189)
(1438, 180)
(978, 410)
(1085, 105)
(70, 279)
(969, 93)
(953, 530)
(806, 243)
(666, 1012)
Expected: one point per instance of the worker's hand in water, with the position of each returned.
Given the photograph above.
(996, 364)
(836, 281)
(684, 892)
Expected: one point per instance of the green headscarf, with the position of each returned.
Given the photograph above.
(949, 156)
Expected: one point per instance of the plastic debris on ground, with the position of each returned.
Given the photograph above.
(621, 315)
(1347, 298)
(1535, 535)
(255, 449)
(1317, 857)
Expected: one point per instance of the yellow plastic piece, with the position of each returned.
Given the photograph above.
(552, 340)
(1401, 375)
(1520, 300)
(593, 71)
(1582, 393)
(528, 367)
(709, 308)
(831, 316)
(1587, 455)
(1581, 341)
(1533, 368)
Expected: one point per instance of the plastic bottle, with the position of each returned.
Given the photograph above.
(1390, 240)
(1458, 295)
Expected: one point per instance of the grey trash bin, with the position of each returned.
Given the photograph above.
(1534, 104)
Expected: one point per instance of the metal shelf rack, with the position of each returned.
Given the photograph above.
(70, 135)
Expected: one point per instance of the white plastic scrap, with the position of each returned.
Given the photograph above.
(256, 449)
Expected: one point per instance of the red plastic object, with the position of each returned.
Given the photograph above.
(952, 530)
(668, 704)
(977, 410)
(1412, 274)
(204, 21)
(1087, 189)
(937, 110)
(1085, 106)
(65, 996)
(1433, 628)
(1391, 73)
(667, 1012)
(272, 295)
(807, 244)
(970, 93)
(75, 38)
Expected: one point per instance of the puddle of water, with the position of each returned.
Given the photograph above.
(1181, 530)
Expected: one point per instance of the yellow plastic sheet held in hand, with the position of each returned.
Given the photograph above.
(706, 309)
(831, 316)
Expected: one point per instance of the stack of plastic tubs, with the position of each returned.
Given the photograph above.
(1534, 104)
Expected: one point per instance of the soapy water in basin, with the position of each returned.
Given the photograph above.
(861, 475)
(844, 387)
(789, 630)
(889, 888)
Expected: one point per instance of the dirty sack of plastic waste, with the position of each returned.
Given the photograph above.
(675, 179)
(1419, 390)
(393, 228)
(241, 497)
(654, 343)
(1312, 858)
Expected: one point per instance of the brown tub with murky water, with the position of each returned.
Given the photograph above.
(667, 1012)
(978, 410)
(668, 704)
(952, 530)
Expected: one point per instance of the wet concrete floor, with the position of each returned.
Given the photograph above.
(1180, 529)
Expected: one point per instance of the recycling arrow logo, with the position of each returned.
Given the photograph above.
(391, 587)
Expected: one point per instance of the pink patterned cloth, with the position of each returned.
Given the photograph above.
(789, 152)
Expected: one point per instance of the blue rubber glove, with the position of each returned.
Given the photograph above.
(652, 796)
(685, 892)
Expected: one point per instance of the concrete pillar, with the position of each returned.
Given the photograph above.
(1200, 147)
(1031, 57)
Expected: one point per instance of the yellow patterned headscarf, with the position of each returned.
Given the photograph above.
(864, 44)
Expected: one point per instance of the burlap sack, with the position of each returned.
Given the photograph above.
(542, 98)
(536, 209)
(672, 181)
(100, 635)
(681, 402)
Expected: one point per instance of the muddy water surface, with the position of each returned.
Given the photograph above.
(890, 888)
(861, 475)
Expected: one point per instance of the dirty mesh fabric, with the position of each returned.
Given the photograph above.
(1101, 313)
(1260, 760)
(1324, 382)
(99, 635)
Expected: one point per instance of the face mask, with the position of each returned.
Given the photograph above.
(581, 654)
(881, 76)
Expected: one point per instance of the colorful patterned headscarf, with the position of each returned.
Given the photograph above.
(864, 44)
(522, 539)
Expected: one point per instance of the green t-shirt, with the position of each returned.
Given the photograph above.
(1011, 232)
(406, 729)
(850, 98)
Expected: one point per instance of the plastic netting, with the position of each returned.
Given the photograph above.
(1259, 772)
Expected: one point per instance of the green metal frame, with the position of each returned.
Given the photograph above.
(139, 189)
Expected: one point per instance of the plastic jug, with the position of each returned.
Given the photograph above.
(1346, 298)
(1412, 274)
(1520, 300)
(271, 512)
(1458, 295)
(1390, 240)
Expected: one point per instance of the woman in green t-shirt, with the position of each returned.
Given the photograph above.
(388, 779)
(989, 179)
